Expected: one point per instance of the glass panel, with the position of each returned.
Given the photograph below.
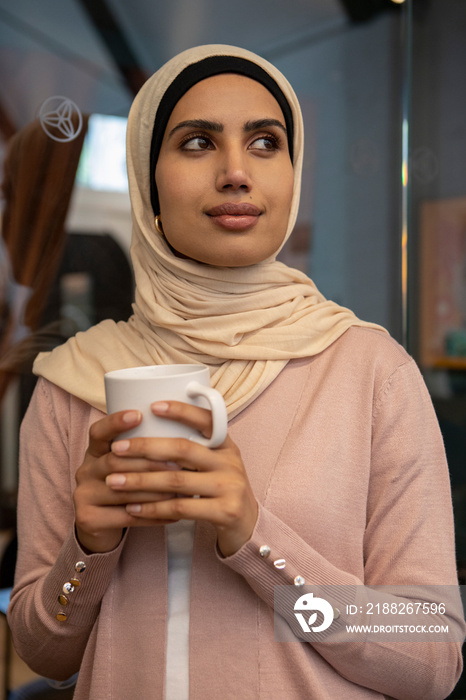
(437, 318)
(361, 85)
(350, 90)
(67, 91)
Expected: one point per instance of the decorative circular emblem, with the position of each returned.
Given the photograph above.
(56, 117)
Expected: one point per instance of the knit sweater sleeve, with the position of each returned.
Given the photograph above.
(49, 554)
(408, 555)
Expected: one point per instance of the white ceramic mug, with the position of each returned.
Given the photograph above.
(138, 387)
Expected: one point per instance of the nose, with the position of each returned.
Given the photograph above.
(233, 172)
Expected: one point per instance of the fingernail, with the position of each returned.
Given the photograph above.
(160, 407)
(120, 446)
(131, 416)
(115, 480)
(133, 508)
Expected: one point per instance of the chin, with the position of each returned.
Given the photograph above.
(233, 259)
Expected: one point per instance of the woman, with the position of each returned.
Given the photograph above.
(333, 472)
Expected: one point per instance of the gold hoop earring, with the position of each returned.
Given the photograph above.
(158, 225)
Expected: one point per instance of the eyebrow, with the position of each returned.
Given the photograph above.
(264, 124)
(217, 127)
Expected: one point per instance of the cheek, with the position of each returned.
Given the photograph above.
(283, 192)
(279, 179)
(166, 188)
(177, 191)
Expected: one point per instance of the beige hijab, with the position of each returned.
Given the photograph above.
(244, 323)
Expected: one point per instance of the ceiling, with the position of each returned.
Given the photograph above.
(98, 52)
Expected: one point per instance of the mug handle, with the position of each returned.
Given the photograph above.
(219, 413)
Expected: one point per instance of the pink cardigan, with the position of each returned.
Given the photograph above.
(345, 457)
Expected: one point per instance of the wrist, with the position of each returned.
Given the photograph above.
(230, 541)
(98, 544)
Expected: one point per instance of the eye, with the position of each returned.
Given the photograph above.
(196, 143)
(266, 143)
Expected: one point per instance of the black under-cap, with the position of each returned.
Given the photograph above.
(194, 73)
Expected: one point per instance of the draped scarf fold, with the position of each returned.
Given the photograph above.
(244, 323)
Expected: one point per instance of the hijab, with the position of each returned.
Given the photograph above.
(246, 323)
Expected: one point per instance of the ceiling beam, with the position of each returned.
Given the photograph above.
(114, 38)
(363, 10)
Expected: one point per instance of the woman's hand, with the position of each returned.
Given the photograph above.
(216, 477)
(101, 513)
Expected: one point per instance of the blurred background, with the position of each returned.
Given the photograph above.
(382, 222)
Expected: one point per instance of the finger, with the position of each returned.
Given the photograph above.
(175, 482)
(99, 468)
(119, 518)
(125, 497)
(99, 494)
(192, 416)
(205, 509)
(188, 454)
(128, 463)
(104, 431)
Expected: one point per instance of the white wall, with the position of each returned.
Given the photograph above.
(349, 78)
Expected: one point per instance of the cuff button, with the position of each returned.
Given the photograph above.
(279, 563)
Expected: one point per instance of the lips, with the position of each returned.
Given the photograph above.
(232, 209)
(235, 216)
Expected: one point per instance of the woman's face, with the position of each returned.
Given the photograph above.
(224, 175)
